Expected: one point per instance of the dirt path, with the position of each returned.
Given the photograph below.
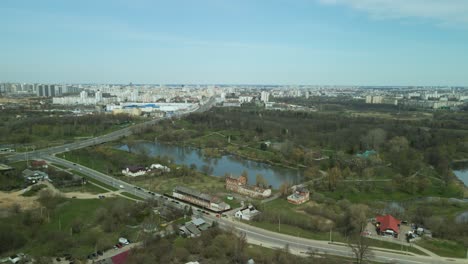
(10, 199)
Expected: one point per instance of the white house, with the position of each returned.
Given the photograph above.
(247, 213)
(134, 171)
(160, 167)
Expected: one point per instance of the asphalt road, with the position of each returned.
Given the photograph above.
(37, 154)
(254, 235)
(260, 236)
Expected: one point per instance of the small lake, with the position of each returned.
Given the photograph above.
(462, 174)
(229, 164)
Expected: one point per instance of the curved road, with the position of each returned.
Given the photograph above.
(254, 235)
(260, 236)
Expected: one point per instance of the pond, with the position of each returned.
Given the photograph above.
(462, 174)
(219, 166)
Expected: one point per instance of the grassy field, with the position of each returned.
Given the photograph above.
(443, 248)
(96, 182)
(88, 157)
(88, 188)
(281, 205)
(61, 221)
(284, 206)
(207, 184)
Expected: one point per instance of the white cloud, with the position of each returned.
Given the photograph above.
(443, 11)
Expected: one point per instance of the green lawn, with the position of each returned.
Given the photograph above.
(443, 248)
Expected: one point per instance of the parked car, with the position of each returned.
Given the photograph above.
(123, 241)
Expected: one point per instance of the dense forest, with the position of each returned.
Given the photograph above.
(415, 152)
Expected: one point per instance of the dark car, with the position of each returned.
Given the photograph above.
(100, 253)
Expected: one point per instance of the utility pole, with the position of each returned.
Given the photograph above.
(331, 235)
(279, 223)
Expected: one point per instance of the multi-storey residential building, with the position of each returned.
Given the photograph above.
(239, 185)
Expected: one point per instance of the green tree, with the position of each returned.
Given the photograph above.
(260, 181)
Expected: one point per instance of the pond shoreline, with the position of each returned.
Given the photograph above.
(231, 163)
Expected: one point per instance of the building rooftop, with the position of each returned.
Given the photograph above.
(193, 193)
(198, 221)
(192, 228)
(388, 222)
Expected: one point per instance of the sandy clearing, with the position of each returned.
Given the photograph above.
(9, 199)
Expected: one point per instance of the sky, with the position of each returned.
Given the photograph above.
(290, 42)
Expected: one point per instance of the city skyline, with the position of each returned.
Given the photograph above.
(315, 42)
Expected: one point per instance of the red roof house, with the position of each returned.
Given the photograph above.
(39, 164)
(388, 222)
(120, 258)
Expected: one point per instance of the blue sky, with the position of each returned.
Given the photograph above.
(324, 42)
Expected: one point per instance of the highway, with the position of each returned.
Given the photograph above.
(260, 236)
(101, 139)
(254, 235)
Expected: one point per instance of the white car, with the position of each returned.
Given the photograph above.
(123, 241)
(122, 187)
